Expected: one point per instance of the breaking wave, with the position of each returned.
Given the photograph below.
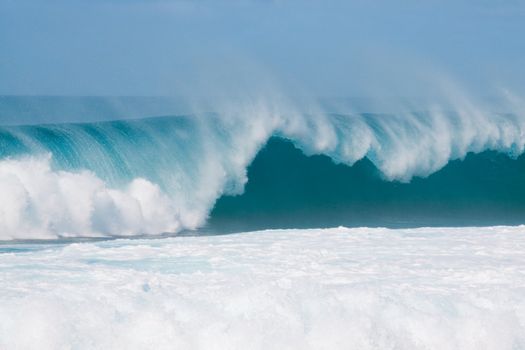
(164, 174)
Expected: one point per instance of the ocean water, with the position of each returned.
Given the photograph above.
(140, 223)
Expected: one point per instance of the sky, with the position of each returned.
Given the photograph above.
(322, 48)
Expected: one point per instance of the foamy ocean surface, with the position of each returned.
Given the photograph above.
(216, 230)
(339, 288)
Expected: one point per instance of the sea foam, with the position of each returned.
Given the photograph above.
(431, 288)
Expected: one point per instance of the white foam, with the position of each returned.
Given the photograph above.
(457, 288)
(38, 202)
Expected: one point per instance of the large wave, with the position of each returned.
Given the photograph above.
(164, 174)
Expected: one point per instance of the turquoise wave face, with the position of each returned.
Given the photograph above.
(117, 177)
(116, 151)
(165, 174)
(287, 189)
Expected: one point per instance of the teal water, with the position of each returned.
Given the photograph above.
(287, 189)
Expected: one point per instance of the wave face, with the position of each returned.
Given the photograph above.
(287, 189)
(115, 178)
(164, 174)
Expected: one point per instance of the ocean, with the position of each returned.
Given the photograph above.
(140, 223)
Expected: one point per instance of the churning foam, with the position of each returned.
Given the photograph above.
(428, 288)
(38, 202)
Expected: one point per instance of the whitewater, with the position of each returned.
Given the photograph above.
(361, 288)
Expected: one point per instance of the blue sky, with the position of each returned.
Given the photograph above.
(324, 48)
